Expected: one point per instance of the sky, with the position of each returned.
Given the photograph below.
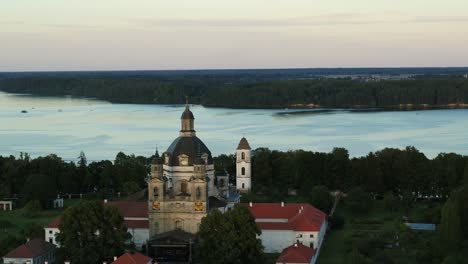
(64, 35)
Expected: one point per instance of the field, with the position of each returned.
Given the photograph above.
(376, 233)
(14, 222)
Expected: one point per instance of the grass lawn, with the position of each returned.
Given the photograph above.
(19, 221)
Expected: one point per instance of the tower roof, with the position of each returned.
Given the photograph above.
(156, 159)
(187, 114)
(243, 144)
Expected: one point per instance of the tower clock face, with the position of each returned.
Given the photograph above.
(156, 206)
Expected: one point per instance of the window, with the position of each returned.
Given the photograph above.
(300, 235)
(311, 235)
(243, 185)
(221, 183)
(243, 170)
(156, 226)
(311, 245)
(51, 240)
(198, 193)
(50, 231)
(183, 187)
(155, 192)
(243, 155)
(178, 224)
(183, 160)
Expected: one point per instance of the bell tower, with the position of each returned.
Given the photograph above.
(156, 190)
(243, 166)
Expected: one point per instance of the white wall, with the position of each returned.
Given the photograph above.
(275, 241)
(139, 236)
(243, 163)
(50, 235)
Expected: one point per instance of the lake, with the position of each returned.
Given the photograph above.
(65, 126)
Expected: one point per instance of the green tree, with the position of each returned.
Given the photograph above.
(40, 187)
(451, 233)
(390, 201)
(358, 200)
(130, 187)
(91, 233)
(321, 198)
(229, 238)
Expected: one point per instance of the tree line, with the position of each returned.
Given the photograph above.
(251, 91)
(43, 178)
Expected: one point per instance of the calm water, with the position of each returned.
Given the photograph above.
(65, 126)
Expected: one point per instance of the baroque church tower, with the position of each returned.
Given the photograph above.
(243, 166)
(180, 183)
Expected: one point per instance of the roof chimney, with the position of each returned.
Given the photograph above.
(295, 244)
(105, 201)
(115, 258)
(67, 262)
(282, 204)
(250, 204)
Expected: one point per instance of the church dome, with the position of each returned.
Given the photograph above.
(188, 146)
(187, 114)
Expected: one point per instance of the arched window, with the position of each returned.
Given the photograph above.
(155, 192)
(183, 187)
(178, 224)
(243, 185)
(243, 171)
(243, 155)
(198, 193)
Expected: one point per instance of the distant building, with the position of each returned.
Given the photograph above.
(243, 166)
(297, 254)
(6, 205)
(135, 216)
(52, 230)
(133, 258)
(284, 224)
(58, 202)
(35, 251)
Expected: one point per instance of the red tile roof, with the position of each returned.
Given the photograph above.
(296, 253)
(297, 216)
(55, 223)
(142, 224)
(133, 258)
(31, 249)
(131, 209)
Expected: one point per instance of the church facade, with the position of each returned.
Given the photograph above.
(183, 188)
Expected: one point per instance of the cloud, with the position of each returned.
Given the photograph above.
(438, 19)
(323, 20)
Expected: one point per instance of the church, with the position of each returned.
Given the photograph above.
(183, 188)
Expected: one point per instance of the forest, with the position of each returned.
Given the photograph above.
(252, 90)
(401, 180)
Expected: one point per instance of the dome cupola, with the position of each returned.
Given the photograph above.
(187, 123)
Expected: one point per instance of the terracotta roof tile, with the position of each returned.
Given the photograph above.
(55, 223)
(31, 249)
(133, 258)
(296, 253)
(297, 216)
(131, 209)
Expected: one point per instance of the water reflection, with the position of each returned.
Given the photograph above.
(66, 126)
